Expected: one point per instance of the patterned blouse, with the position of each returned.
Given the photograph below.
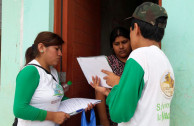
(117, 67)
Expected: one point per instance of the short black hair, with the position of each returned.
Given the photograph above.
(149, 31)
(118, 31)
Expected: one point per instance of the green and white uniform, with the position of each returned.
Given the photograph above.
(145, 90)
(36, 93)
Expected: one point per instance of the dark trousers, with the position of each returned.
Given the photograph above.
(15, 122)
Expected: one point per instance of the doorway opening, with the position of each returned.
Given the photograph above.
(113, 12)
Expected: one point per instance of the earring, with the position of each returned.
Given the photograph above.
(41, 51)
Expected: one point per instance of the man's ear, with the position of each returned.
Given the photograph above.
(137, 29)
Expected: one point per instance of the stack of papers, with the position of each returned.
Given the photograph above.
(92, 66)
(74, 106)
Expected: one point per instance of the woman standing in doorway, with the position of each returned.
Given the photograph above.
(120, 43)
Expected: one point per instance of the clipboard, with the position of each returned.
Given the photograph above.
(74, 106)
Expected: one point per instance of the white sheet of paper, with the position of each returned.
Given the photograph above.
(73, 106)
(92, 66)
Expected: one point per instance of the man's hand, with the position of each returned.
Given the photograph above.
(96, 85)
(111, 78)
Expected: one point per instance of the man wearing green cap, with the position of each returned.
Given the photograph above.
(143, 95)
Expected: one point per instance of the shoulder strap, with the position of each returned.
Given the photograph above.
(44, 70)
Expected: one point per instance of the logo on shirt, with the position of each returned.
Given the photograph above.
(167, 84)
(58, 91)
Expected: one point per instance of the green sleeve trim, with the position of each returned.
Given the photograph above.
(26, 83)
(123, 98)
(42, 115)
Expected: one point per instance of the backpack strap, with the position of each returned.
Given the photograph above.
(44, 70)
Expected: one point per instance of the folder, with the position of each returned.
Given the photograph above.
(74, 106)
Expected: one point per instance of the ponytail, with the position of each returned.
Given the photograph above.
(29, 55)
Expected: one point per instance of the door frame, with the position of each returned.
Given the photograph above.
(60, 21)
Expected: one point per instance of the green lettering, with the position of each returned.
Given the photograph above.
(168, 105)
(159, 117)
(163, 116)
(169, 115)
(158, 107)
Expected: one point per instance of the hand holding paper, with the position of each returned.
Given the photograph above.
(95, 85)
(92, 66)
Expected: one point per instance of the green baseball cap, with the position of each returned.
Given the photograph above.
(149, 12)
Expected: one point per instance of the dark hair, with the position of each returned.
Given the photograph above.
(149, 31)
(46, 38)
(118, 31)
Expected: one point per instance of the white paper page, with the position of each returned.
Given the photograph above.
(72, 105)
(92, 66)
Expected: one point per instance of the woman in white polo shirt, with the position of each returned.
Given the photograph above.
(38, 91)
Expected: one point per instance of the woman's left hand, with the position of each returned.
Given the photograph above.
(90, 106)
(96, 85)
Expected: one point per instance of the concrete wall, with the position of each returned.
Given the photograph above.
(178, 45)
(22, 20)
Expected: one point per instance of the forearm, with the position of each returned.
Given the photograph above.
(50, 116)
(102, 109)
(102, 113)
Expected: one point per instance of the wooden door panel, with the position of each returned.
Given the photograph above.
(80, 29)
(86, 38)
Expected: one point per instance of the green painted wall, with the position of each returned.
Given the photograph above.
(38, 16)
(22, 20)
(178, 45)
(10, 57)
